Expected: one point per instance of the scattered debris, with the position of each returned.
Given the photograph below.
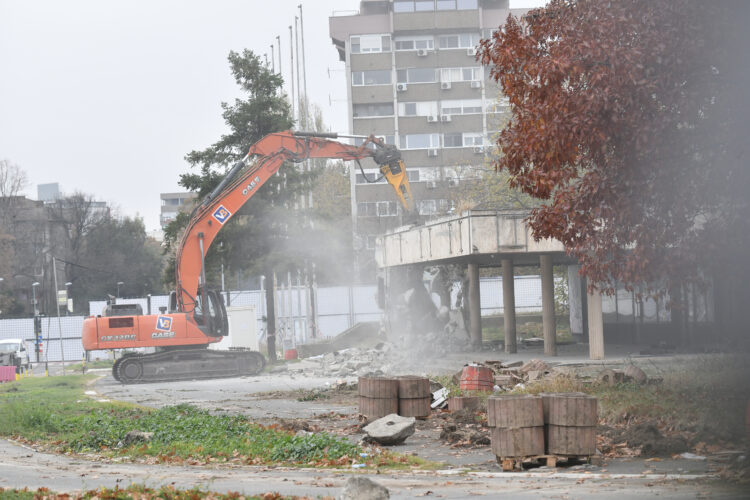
(362, 488)
(391, 429)
(439, 398)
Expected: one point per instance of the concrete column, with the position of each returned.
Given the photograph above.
(575, 302)
(596, 325)
(509, 305)
(548, 306)
(475, 312)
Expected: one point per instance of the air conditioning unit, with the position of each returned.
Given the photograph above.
(445, 118)
(432, 152)
(422, 52)
(476, 84)
(401, 87)
(445, 85)
(471, 51)
(432, 118)
(431, 184)
(479, 150)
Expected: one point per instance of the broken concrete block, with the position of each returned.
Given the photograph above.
(391, 429)
(361, 488)
(134, 437)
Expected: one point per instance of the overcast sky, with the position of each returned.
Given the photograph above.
(107, 97)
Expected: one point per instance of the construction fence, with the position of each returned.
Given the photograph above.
(336, 309)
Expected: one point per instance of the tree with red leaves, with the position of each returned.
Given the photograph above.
(629, 124)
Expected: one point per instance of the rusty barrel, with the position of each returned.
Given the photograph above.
(517, 423)
(378, 396)
(477, 378)
(570, 420)
(414, 396)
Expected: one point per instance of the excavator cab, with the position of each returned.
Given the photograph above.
(211, 319)
(217, 322)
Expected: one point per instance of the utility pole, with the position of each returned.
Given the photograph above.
(278, 44)
(273, 60)
(291, 66)
(304, 62)
(300, 111)
(59, 322)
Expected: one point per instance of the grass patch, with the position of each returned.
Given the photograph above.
(54, 411)
(137, 491)
(706, 396)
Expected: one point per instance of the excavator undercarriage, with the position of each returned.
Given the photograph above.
(186, 363)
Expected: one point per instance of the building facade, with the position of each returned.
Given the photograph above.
(413, 78)
(172, 204)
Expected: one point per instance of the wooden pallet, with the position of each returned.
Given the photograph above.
(517, 463)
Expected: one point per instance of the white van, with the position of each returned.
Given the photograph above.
(17, 347)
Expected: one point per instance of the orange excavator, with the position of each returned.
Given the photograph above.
(196, 316)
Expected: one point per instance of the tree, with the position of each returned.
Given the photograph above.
(262, 237)
(628, 123)
(117, 250)
(486, 189)
(13, 180)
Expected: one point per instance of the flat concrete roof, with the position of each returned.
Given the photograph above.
(480, 236)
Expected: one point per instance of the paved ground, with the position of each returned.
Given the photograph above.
(625, 478)
(23, 467)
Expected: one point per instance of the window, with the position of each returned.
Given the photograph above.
(472, 139)
(422, 108)
(373, 109)
(460, 74)
(453, 140)
(389, 139)
(414, 42)
(372, 177)
(462, 140)
(460, 106)
(427, 207)
(373, 77)
(459, 41)
(387, 208)
(413, 175)
(456, 4)
(501, 105)
(416, 75)
(364, 44)
(403, 6)
(466, 4)
(370, 241)
(424, 5)
(419, 141)
(377, 209)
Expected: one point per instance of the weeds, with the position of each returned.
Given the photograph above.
(55, 411)
(137, 491)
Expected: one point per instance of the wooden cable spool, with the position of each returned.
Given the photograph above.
(571, 424)
(414, 396)
(378, 396)
(517, 423)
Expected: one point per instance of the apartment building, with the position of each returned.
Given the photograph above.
(412, 78)
(172, 204)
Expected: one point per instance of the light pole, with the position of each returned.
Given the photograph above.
(119, 284)
(33, 297)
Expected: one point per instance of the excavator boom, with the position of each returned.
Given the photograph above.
(196, 315)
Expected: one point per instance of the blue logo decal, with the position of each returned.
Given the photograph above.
(222, 214)
(164, 323)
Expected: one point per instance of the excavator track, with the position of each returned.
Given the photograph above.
(186, 364)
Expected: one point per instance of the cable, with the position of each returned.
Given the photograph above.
(365, 175)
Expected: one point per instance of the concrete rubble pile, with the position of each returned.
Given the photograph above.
(357, 361)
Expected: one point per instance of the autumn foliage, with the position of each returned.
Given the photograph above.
(627, 123)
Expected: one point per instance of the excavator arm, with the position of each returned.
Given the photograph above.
(247, 176)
